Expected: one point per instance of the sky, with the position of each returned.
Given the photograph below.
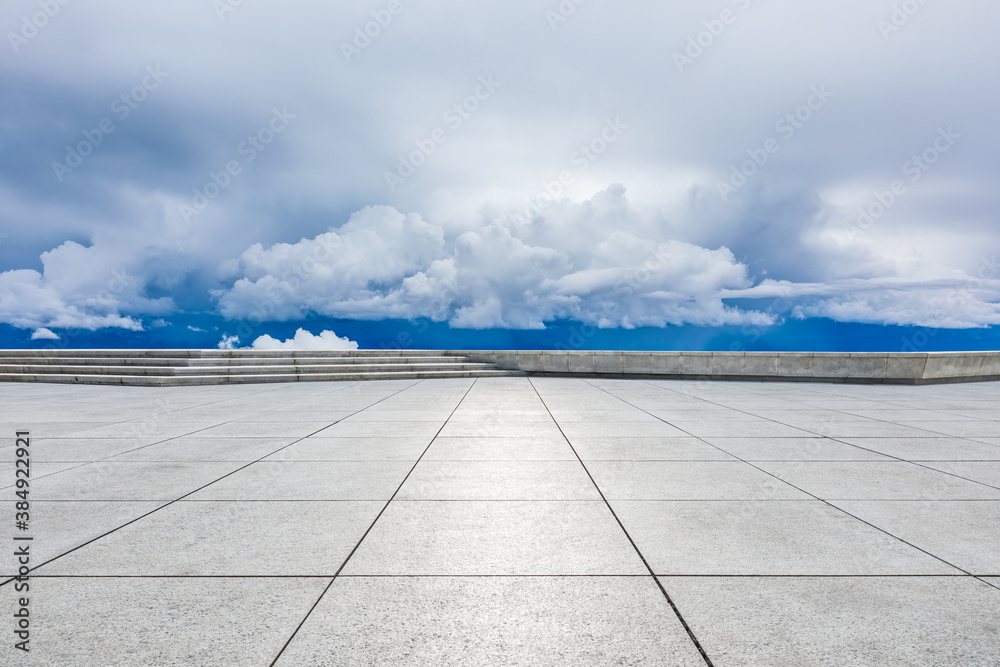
(723, 174)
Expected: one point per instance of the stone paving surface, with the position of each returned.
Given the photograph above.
(508, 521)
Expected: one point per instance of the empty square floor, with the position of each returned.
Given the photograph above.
(505, 521)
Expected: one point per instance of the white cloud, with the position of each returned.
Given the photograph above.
(195, 329)
(229, 342)
(378, 246)
(568, 264)
(955, 301)
(304, 340)
(29, 300)
(671, 157)
(44, 334)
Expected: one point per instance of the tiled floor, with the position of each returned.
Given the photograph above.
(508, 521)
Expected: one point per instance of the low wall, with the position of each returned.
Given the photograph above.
(861, 367)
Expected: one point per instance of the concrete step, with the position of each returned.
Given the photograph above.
(217, 354)
(167, 368)
(215, 369)
(178, 381)
(6, 360)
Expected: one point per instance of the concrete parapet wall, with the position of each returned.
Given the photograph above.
(859, 367)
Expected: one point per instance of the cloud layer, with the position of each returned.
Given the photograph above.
(305, 340)
(872, 202)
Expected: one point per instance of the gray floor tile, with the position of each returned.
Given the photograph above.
(647, 449)
(275, 429)
(966, 428)
(688, 480)
(58, 526)
(47, 428)
(929, 449)
(353, 449)
(498, 480)
(381, 430)
(984, 472)
(107, 622)
(307, 480)
(227, 539)
(496, 538)
(157, 425)
(963, 533)
(765, 538)
(294, 415)
(848, 622)
(551, 448)
(793, 449)
(620, 429)
(493, 621)
(708, 414)
(78, 449)
(464, 414)
(195, 448)
(499, 429)
(870, 429)
(742, 429)
(128, 480)
(435, 415)
(876, 480)
(601, 416)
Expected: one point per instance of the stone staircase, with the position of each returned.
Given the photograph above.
(170, 368)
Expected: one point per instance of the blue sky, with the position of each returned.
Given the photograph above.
(732, 174)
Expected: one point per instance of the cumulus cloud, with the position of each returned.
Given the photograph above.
(105, 283)
(466, 258)
(572, 265)
(598, 262)
(44, 334)
(304, 340)
(229, 342)
(955, 301)
(376, 248)
(30, 300)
